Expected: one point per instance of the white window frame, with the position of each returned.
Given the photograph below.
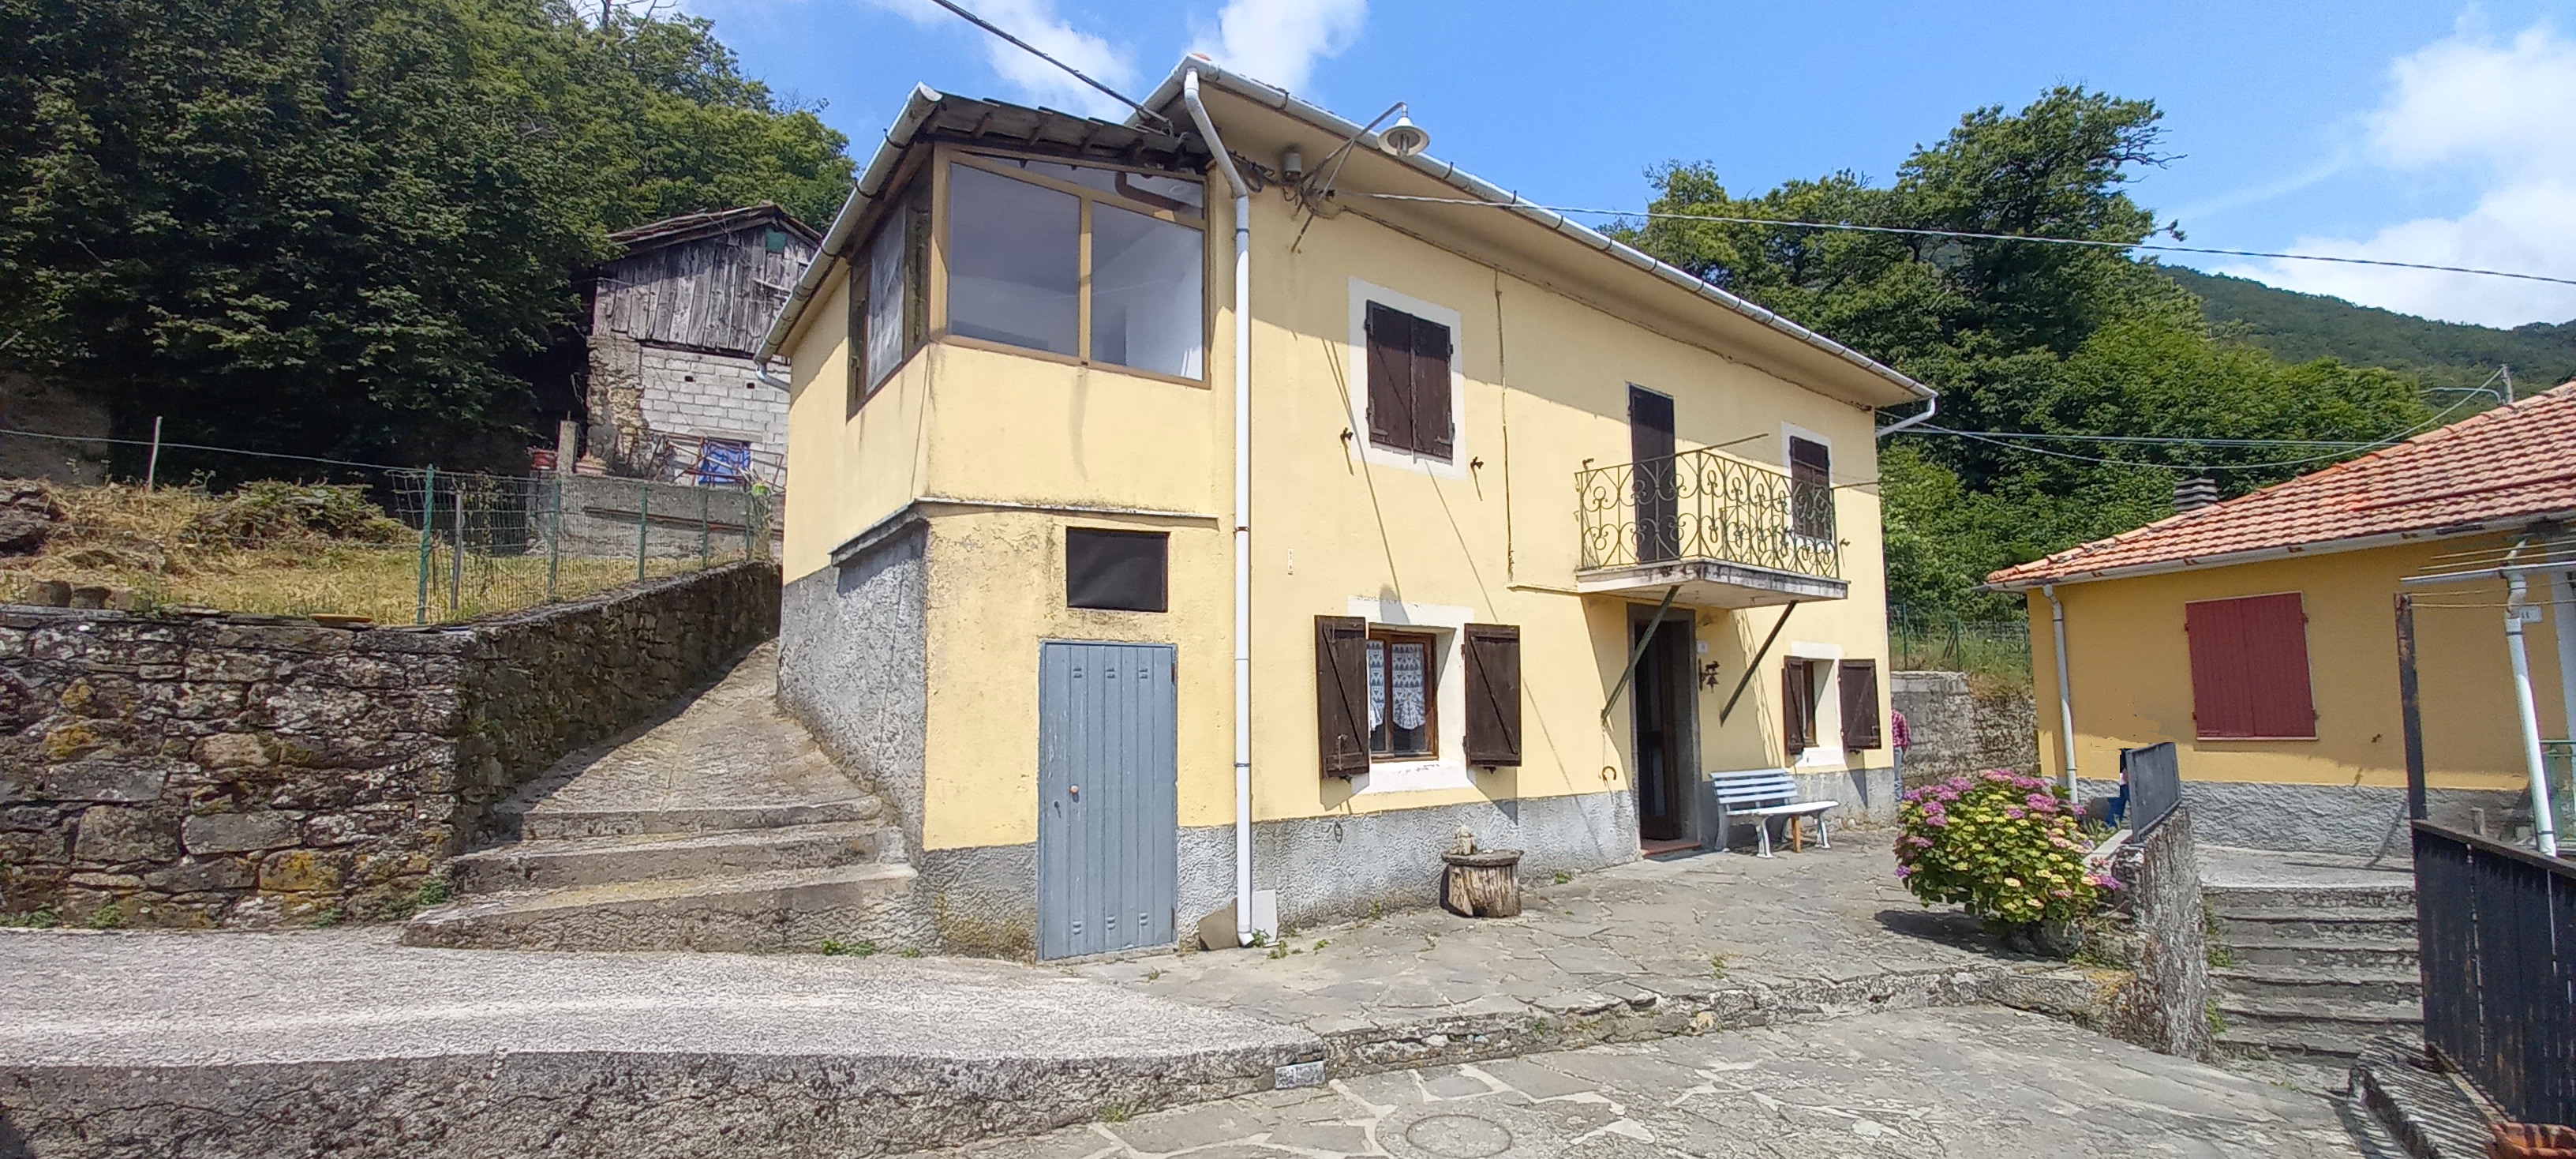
(1446, 624)
(1355, 363)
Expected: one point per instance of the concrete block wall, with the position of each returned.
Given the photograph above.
(689, 392)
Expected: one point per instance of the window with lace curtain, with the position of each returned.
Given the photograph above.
(1403, 694)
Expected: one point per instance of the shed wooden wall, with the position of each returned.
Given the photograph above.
(715, 293)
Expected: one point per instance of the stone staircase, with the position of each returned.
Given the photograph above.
(2315, 970)
(720, 827)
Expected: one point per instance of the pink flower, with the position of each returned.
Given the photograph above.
(1997, 775)
(2015, 814)
(1936, 820)
(1904, 871)
(2040, 801)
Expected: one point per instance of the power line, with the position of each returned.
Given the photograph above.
(1966, 234)
(2399, 437)
(2165, 439)
(170, 446)
(1032, 50)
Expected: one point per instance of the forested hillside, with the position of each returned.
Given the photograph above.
(2024, 339)
(326, 227)
(2299, 327)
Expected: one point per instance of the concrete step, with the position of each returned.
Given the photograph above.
(2228, 899)
(788, 909)
(2341, 986)
(2388, 956)
(2312, 1026)
(542, 823)
(2377, 927)
(579, 861)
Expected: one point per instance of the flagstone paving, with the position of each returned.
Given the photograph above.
(1633, 951)
(1984, 1082)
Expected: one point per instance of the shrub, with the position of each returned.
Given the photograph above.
(1998, 844)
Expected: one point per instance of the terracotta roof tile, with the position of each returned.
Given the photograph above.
(2512, 463)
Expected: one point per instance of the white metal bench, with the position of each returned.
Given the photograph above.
(1762, 794)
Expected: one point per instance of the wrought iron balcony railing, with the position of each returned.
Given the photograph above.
(1701, 505)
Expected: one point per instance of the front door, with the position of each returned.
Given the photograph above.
(1661, 718)
(1108, 814)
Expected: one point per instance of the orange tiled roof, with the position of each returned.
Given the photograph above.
(2509, 465)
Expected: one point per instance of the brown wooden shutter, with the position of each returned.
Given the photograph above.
(2249, 668)
(1390, 377)
(1341, 694)
(1434, 433)
(1859, 682)
(1797, 706)
(1493, 694)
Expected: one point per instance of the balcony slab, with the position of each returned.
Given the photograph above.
(1709, 583)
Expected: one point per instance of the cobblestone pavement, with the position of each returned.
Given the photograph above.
(1984, 1082)
(1748, 939)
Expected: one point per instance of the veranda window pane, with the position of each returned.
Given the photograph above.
(1146, 285)
(1014, 261)
(1179, 194)
(885, 299)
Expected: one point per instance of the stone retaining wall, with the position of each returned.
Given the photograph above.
(252, 771)
(1959, 729)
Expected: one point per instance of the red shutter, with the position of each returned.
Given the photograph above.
(1341, 694)
(1433, 432)
(1493, 694)
(1858, 680)
(2249, 668)
(1390, 377)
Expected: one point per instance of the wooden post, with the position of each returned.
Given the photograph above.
(2409, 708)
(152, 463)
(567, 445)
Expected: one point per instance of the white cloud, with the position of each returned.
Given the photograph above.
(1036, 22)
(2503, 116)
(1279, 41)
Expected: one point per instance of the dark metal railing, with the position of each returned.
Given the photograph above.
(1705, 505)
(2496, 927)
(2153, 776)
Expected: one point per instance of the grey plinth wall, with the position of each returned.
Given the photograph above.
(1959, 729)
(2326, 818)
(853, 666)
(251, 770)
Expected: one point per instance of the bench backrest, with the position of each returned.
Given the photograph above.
(1755, 789)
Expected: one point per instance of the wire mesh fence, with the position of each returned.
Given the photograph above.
(1993, 648)
(416, 546)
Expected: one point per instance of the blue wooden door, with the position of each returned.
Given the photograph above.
(1108, 812)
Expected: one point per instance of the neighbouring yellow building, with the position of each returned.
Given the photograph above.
(2260, 635)
(1149, 496)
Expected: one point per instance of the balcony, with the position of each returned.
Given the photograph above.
(1726, 532)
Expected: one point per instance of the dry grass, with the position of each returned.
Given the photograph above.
(328, 553)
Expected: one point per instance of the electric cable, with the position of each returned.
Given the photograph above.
(1963, 234)
(1076, 73)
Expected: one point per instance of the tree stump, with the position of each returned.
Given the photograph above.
(1483, 885)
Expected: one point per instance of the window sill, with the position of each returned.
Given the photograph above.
(2263, 739)
(1412, 776)
(964, 343)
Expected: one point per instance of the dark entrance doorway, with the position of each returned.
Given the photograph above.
(1650, 458)
(1661, 719)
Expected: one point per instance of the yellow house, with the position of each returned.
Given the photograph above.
(1180, 529)
(2260, 636)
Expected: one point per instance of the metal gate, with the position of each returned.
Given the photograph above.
(1108, 818)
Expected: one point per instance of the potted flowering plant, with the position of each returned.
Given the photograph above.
(2004, 848)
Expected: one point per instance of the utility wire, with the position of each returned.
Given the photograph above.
(170, 446)
(2399, 437)
(2163, 439)
(1033, 50)
(1959, 233)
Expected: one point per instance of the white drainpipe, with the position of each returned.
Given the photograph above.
(2516, 613)
(2065, 706)
(1932, 406)
(1242, 507)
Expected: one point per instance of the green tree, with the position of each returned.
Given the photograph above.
(2019, 337)
(326, 226)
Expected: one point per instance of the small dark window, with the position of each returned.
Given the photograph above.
(775, 241)
(1798, 704)
(1408, 383)
(1120, 571)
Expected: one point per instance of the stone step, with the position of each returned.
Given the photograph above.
(2330, 927)
(542, 823)
(788, 909)
(2257, 985)
(579, 861)
(2266, 901)
(2309, 1026)
(2376, 956)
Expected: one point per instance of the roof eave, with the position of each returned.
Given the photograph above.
(2284, 551)
(871, 182)
(1285, 102)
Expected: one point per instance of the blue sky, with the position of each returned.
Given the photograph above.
(2421, 131)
